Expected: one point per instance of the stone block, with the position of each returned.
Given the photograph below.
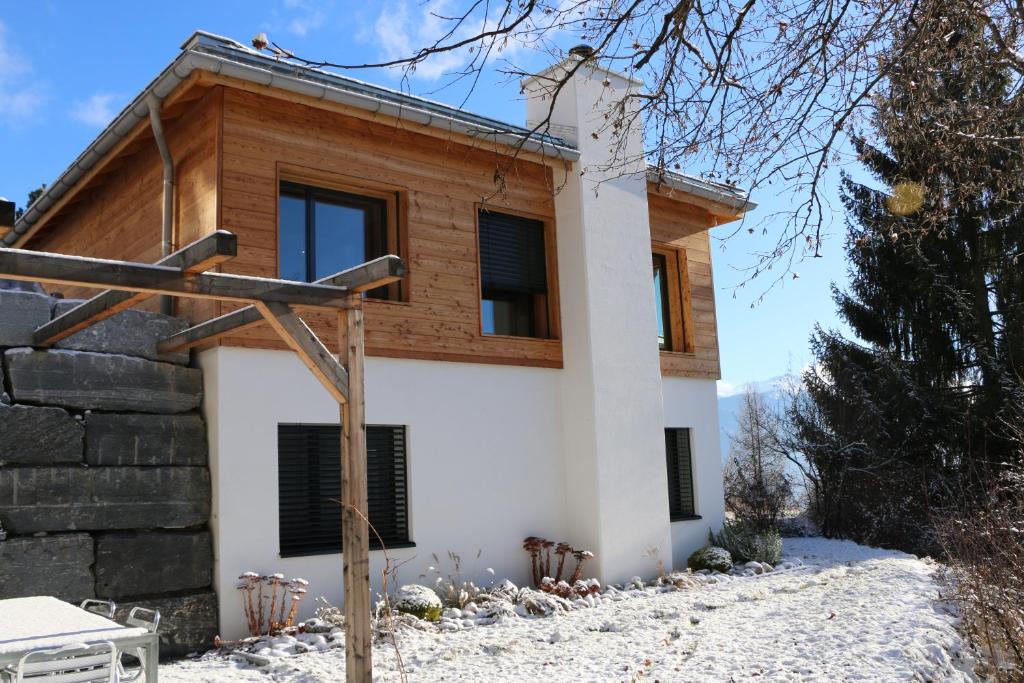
(187, 623)
(20, 314)
(60, 566)
(31, 435)
(22, 286)
(149, 562)
(96, 498)
(95, 381)
(132, 439)
(130, 333)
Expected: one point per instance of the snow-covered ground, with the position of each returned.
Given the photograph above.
(849, 613)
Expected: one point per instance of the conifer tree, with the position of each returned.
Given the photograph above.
(909, 417)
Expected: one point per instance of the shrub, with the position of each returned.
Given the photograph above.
(540, 561)
(745, 541)
(454, 590)
(710, 557)
(419, 601)
(984, 551)
(265, 602)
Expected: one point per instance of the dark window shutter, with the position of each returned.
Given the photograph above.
(309, 484)
(680, 473)
(386, 483)
(512, 253)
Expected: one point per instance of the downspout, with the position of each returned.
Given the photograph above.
(167, 228)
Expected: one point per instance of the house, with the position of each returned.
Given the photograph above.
(547, 366)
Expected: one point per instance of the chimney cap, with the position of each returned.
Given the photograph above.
(583, 51)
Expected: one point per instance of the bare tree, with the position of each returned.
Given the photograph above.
(757, 487)
(741, 91)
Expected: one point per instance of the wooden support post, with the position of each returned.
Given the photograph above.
(355, 540)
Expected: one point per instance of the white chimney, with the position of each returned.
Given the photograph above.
(616, 491)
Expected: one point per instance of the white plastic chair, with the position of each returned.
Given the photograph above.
(75, 663)
(141, 617)
(104, 608)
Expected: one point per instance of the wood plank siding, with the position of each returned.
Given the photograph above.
(118, 214)
(440, 185)
(684, 226)
(232, 148)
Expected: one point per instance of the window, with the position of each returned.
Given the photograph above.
(513, 276)
(323, 232)
(679, 462)
(309, 481)
(661, 301)
(672, 299)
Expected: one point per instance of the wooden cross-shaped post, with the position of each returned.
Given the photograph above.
(265, 301)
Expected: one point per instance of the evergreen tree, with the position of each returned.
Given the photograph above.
(909, 418)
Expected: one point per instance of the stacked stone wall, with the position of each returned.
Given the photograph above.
(104, 480)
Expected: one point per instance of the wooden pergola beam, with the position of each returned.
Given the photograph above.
(362, 278)
(311, 351)
(212, 329)
(79, 271)
(198, 257)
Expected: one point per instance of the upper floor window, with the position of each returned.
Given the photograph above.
(671, 299)
(513, 276)
(323, 232)
(661, 301)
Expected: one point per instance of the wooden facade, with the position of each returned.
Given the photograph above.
(233, 146)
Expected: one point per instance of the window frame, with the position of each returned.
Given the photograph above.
(545, 327)
(680, 334)
(681, 515)
(374, 542)
(395, 228)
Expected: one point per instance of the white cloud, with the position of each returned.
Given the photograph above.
(400, 33)
(299, 18)
(20, 96)
(98, 110)
(309, 21)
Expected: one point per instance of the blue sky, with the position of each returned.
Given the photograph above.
(66, 68)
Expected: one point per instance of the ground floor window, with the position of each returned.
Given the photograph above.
(309, 484)
(679, 461)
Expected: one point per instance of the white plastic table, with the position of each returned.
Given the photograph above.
(42, 622)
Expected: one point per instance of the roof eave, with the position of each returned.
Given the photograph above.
(732, 199)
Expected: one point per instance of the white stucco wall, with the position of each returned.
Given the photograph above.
(693, 403)
(484, 458)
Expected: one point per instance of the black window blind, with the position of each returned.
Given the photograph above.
(512, 253)
(309, 484)
(679, 462)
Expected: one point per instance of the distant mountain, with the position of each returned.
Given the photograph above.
(730, 402)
